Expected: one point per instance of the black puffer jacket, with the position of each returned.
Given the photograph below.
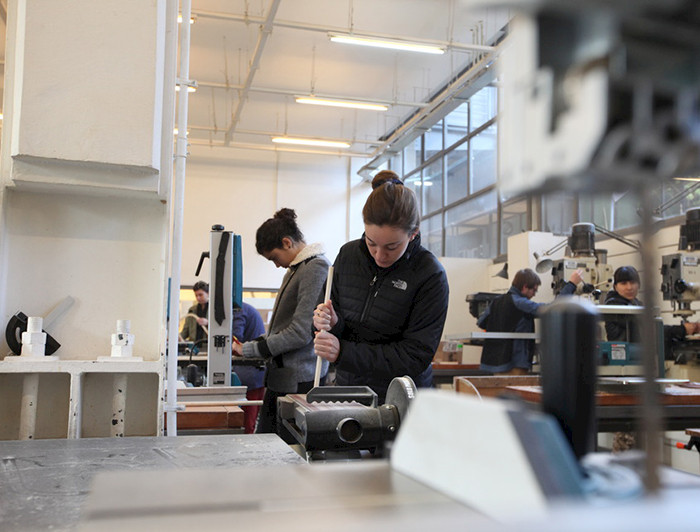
(390, 319)
(626, 328)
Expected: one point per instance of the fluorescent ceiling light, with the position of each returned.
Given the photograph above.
(341, 103)
(676, 178)
(406, 46)
(311, 142)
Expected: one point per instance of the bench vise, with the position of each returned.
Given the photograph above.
(346, 418)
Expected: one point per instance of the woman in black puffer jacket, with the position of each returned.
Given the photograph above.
(389, 297)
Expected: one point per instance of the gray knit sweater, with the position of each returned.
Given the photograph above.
(288, 346)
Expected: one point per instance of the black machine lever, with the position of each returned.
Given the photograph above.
(205, 255)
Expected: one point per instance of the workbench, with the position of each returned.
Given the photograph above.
(444, 373)
(614, 411)
(348, 497)
(622, 411)
(44, 483)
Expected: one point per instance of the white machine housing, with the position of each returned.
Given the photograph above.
(220, 288)
(595, 274)
(681, 280)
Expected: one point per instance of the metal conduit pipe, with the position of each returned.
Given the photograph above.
(263, 147)
(270, 134)
(178, 215)
(265, 31)
(331, 29)
(287, 92)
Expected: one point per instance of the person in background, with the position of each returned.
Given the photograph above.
(515, 311)
(248, 325)
(389, 297)
(288, 348)
(626, 283)
(196, 322)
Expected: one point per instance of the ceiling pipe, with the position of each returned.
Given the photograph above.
(288, 92)
(273, 134)
(265, 147)
(264, 34)
(326, 29)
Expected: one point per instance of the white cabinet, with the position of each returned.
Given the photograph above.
(48, 398)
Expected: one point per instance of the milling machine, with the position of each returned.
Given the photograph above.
(680, 285)
(581, 255)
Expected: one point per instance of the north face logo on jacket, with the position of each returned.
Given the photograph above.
(398, 283)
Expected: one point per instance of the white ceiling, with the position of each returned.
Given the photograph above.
(297, 58)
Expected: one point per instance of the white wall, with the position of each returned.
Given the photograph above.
(325, 191)
(85, 176)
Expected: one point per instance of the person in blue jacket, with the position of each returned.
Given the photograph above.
(515, 311)
(247, 325)
(388, 299)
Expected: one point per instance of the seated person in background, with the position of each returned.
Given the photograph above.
(196, 320)
(626, 284)
(515, 312)
(248, 325)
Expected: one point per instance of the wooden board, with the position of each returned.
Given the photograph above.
(534, 395)
(209, 417)
(493, 385)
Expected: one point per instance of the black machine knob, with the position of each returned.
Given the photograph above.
(680, 286)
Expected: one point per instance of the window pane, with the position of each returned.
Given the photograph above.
(431, 234)
(456, 124)
(482, 170)
(624, 206)
(514, 220)
(432, 187)
(457, 165)
(484, 105)
(433, 141)
(671, 190)
(412, 155)
(558, 214)
(471, 228)
(397, 163)
(414, 183)
(596, 209)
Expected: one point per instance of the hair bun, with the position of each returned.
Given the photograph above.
(385, 176)
(286, 213)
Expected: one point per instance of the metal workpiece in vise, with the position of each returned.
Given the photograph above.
(347, 418)
(680, 271)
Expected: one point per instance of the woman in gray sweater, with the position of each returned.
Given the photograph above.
(288, 347)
